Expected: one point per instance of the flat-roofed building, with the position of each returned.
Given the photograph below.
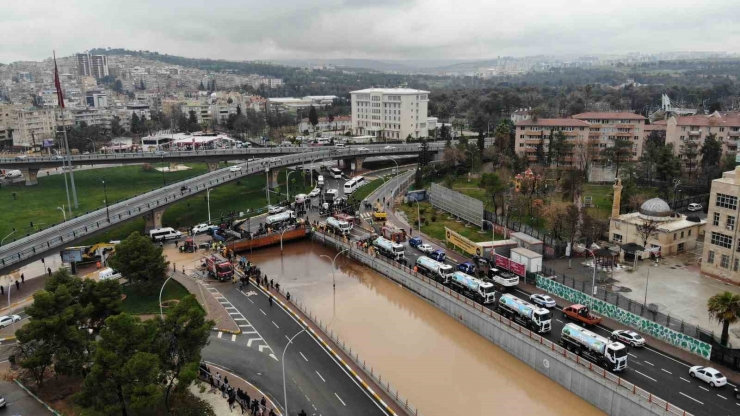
(390, 113)
(606, 127)
(531, 134)
(721, 256)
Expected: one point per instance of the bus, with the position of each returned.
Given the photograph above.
(353, 184)
(335, 173)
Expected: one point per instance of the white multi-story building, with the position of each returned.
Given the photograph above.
(92, 65)
(390, 113)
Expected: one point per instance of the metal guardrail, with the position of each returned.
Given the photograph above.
(362, 256)
(61, 234)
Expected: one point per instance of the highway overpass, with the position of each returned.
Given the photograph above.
(152, 205)
(30, 165)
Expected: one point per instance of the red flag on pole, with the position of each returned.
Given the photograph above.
(57, 84)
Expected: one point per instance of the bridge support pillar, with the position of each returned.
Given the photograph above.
(274, 178)
(212, 166)
(358, 163)
(31, 176)
(153, 219)
(173, 166)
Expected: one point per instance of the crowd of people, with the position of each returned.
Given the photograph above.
(235, 397)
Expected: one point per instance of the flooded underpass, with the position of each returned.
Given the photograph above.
(441, 366)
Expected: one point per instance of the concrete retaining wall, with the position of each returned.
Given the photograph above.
(601, 388)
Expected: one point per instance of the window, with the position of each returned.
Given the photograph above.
(724, 261)
(689, 233)
(731, 222)
(716, 219)
(681, 234)
(721, 129)
(681, 248)
(710, 257)
(674, 236)
(736, 265)
(726, 201)
(617, 238)
(721, 240)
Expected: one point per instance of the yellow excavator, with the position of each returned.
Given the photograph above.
(379, 213)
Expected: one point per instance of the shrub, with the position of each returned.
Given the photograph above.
(147, 167)
(434, 218)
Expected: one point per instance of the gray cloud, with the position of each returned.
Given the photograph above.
(380, 29)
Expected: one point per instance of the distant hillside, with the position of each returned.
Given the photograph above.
(404, 66)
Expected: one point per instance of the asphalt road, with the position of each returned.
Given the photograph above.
(314, 381)
(19, 403)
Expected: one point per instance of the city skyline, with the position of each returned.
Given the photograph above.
(408, 29)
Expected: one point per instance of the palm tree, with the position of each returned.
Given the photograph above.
(725, 308)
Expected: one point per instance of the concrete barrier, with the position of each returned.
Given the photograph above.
(608, 392)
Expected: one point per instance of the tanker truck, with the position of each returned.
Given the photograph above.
(473, 288)
(389, 249)
(431, 268)
(338, 226)
(524, 313)
(597, 349)
(274, 220)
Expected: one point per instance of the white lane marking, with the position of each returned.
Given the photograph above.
(248, 332)
(307, 398)
(648, 362)
(340, 399)
(233, 337)
(632, 355)
(304, 357)
(666, 371)
(685, 380)
(558, 320)
(263, 312)
(286, 337)
(686, 395)
(220, 334)
(704, 388)
(722, 397)
(322, 378)
(314, 407)
(240, 319)
(276, 325)
(645, 376)
(250, 300)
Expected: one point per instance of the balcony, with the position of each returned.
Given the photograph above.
(695, 133)
(734, 134)
(535, 141)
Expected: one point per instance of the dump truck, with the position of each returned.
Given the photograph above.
(338, 226)
(582, 314)
(431, 268)
(595, 348)
(389, 249)
(219, 267)
(473, 288)
(524, 313)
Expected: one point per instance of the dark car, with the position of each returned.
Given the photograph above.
(415, 242)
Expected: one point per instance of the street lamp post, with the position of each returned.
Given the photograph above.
(208, 200)
(285, 391)
(164, 183)
(63, 213)
(93, 143)
(334, 282)
(105, 195)
(493, 235)
(287, 183)
(676, 183)
(281, 240)
(161, 313)
(11, 233)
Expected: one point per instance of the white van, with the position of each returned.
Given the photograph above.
(300, 198)
(340, 145)
(321, 180)
(108, 274)
(13, 174)
(162, 234)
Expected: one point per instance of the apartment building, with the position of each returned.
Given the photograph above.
(531, 133)
(202, 111)
(92, 65)
(689, 133)
(340, 124)
(721, 256)
(606, 127)
(94, 117)
(390, 113)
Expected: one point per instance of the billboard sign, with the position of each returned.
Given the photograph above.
(459, 241)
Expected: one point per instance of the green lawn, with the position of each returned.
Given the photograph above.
(137, 304)
(366, 190)
(436, 229)
(38, 203)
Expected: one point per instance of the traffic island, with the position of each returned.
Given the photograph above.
(207, 294)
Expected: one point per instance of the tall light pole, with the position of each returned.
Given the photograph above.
(334, 281)
(93, 143)
(63, 213)
(208, 201)
(676, 183)
(397, 170)
(105, 195)
(418, 215)
(285, 391)
(493, 235)
(161, 313)
(287, 183)
(164, 183)
(267, 184)
(11, 233)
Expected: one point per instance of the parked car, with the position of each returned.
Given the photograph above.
(630, 338)
(389, 148)
(235, 169)
(425, 248)
(363, 149)
(57, 157)
(706, 374)
(7, 320)
(695, 207)
(161, 153)
(21, 157)
(543, 300)
(415, 242)
(2, 401)
(202, 228)
(274, 209)
(314, 192)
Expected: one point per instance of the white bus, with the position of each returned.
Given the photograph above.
(353, 184)
(335, 173)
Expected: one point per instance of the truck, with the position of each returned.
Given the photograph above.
(379, 213)
(346, 217)
(503, 280)
(389, 249)
(415, 242)
(219, 268)
(330, 195)
(597, 349)
(524, 313)
(473, 288)
(338, 226)
(582, 314)
(431, 268)
(285, 216)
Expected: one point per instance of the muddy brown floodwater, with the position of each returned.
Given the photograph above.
(443, 367)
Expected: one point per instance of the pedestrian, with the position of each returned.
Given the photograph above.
(49, 270)
(23, 278)
(271, 283)
(218, 379)
(231, 402)
(269, 296)
(302, 413)
(2, 290)
(18, 286)
(226, 379)
(263, 402)
(176, 244)
(288, 296)
(272, 412)
(183, 269)
(411, 231)
(223, 390)
(277, 287)
(42, 261)
(210, 380)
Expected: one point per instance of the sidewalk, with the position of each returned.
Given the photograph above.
(214, 309)
(220, 404)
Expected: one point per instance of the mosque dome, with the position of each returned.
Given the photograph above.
(655, 207)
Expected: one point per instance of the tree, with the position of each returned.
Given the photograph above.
(118, 86)
(550, 148)
(619, 153)
(313, 117)
(103, 300)
(502, 136)
(495, 187)
(668, 165)
(689, 153)
(140, 261)
(725, 309)
(201, 87)
(125, 372)
(183, 334)
(141, 84)
(646, 230)
(116, 129)
(541, 149)
(444, 132)
(135, 123)
(711, 155)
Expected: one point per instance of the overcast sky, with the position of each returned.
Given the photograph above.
(378, 29)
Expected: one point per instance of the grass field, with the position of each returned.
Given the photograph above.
(436, 229)
(137, 304)
(39, 203)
